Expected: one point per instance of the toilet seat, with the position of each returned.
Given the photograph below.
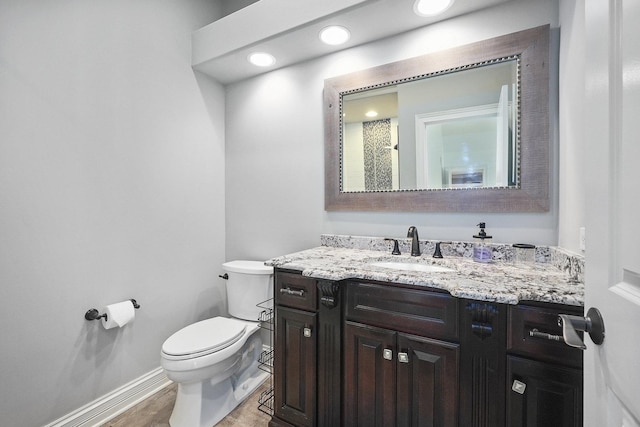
(202, 338)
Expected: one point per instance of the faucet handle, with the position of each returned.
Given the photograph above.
(396, 248)
(437, 253)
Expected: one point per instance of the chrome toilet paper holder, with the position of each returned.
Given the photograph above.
(94, 314)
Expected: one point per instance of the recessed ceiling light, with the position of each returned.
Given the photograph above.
(371, 113)
(431, 7)
(262, 59)
(334, 35)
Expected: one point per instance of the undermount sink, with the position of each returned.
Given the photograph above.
(410, 266)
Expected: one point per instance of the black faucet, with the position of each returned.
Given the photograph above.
(415, 242)
(437, 253)
(396, 249)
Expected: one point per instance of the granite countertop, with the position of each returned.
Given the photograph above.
(503, 282)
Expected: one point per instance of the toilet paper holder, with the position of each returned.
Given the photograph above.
(94, 314)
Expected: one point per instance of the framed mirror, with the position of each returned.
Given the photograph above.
(462, 130)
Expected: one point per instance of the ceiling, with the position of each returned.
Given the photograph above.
(288, 29)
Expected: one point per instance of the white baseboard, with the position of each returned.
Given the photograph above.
(113, 404)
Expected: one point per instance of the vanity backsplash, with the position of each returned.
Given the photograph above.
(571, 264)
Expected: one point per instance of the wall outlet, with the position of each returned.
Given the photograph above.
(583, 239)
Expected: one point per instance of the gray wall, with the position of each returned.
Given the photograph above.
(275, 166)
(111, 187)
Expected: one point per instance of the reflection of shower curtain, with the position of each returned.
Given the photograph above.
(377, 155)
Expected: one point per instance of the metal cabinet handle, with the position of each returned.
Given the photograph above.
(289, 291)
(306, 332)
(403, 358)
(387, 354)
(537, 334)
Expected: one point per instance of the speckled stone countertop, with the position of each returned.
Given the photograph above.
(500, 281)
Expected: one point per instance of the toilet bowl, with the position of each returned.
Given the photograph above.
(215, 361)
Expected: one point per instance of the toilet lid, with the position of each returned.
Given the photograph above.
(204, 337)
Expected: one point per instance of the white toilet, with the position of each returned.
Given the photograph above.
(215, 361)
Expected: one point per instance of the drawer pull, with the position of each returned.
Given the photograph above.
(289, 291)
(537, 334)
(403, 358)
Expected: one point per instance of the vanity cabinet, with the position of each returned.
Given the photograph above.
(363, 353)
(394, 377)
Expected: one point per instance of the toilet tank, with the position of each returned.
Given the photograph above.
(249, 283)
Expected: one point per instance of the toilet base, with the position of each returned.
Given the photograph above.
(204, 405)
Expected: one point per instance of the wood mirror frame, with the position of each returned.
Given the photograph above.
(532, 193)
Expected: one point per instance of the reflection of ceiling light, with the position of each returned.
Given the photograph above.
(262, 59)
(431, 7)
(334, 35)
(371, 113)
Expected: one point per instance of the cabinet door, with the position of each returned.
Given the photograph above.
(295, 366)
(543, 395)
(427, 382)
(370, 383)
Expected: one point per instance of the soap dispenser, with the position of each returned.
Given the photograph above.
(481, 252)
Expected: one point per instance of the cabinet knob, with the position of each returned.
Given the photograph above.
(518, 386)
(387, 354)
(403, 358)
(306, 332)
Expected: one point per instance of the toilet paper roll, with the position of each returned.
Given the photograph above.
(118, 314)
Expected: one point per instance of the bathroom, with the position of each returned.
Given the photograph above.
(125, 174)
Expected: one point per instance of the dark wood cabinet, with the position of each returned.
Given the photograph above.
(482, 363)
(543, 394)
(296, 349)
(307, 373)
(360, 353)
(295, 366)
(544, 376)
(394, 377)
(370, 376)
(397, 379)
(427, 383)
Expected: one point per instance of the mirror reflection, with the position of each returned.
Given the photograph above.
(450, 130)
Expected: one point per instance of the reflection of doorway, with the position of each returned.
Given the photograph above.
(471, 139)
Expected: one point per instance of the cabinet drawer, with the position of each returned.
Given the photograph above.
(414, 311)
(523, 319)
(294, 290)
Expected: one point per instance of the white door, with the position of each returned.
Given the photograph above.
(612, 370)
